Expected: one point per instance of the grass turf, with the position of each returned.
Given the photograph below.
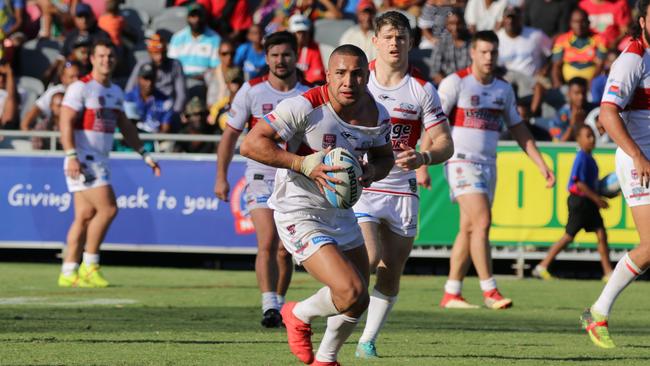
(154, 316)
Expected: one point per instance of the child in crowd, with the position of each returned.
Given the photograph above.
(572, 115)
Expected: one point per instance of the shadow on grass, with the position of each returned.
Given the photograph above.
(528, 358)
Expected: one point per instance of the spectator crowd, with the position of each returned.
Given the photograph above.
(181, 62)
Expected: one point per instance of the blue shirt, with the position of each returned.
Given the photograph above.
(251, 61)
(197, 55)
(584, 170)
(7, 20)
(598, 88)
(152, 113)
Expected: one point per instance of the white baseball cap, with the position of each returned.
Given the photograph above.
(299, 23)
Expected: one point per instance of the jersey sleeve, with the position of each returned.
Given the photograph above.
(240, 109)
(290, 117)
(432, 113)
(511, 115)
(73, 97)
(623, 79)
(448, 92)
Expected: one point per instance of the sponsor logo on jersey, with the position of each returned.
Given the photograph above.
(406, 108)
(499, 102)
(615, 91)
(475, 100)
(480, 185)
(413, 185)
(384, 97)
(300, 247)
(459, 171)
(292, 229)
(267, 107)
(322, 239)
(329, 140)
(634, 174)
(262, 199)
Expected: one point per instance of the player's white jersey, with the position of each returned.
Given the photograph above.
(628, 87)
(477, 113)
(255, 99)
(98, 110)
(308, 123)
(412, 104)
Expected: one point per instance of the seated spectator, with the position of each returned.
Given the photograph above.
(572, 115)
(539, 133)
(8, 97)
(114, 24)
(79, 56)
(49, 123)
(170, 79)
(310, 61)
(609, 18)
(54, 13)
(195, 123)
(148, 107)
(483, 15)
(361, 35)
(41, 108)
(452, 54)
(85, 25)
(215, 79)
(577, 53)
(598, 82)
(316, 9)
(195, 46)
(12, 19)
(250, 56)
(218, 116)
(551, 16)
(227, 17)
(432, 21)
(523, 51)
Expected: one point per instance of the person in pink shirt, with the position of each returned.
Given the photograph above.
(609, 18)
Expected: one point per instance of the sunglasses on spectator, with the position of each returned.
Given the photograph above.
(227, 53)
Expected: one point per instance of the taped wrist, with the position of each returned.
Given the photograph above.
(310, 162)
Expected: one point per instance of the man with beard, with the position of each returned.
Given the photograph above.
(256, 98)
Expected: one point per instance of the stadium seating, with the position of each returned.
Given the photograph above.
(36, 56)
(29, 88)
(171, 19)
(151, 7)
(329, 31)
(325, 52)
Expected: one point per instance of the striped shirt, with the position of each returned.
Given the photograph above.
(196, 54)
(578, 54)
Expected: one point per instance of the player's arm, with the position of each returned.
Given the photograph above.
(380, 162)
(261, 145)
(527, 143)
(132, 139)
(225, 152)
(593, 196)
(66, 127)
(422, 176)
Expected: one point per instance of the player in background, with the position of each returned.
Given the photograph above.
(90, 112)
(388, 210)
(478, 104)
(625, 114)
(257, 97)
(326, 240)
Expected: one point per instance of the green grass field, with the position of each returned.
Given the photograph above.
(156, 316)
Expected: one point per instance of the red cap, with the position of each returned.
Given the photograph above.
(366, 5)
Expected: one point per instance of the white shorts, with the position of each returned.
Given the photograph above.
(257, 191)
(635, 194)
(93, 174)
(303, 233)
(466, 177)
(399, 212)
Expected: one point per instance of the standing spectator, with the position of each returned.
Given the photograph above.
(523, 51)
(598, 82)
(8, 96)
(41, 108)
(195, 123)
(48, 123)
(609, 18)
(361, 35)
(195, 46)
(453, 52)
(85, 25)
(147, 106)
(551, 16)
(170, 79)
(572, 115)
(215, 79)
(250, 56)
(310, 61)
(483, 15)
(577, 53)
(433, 19)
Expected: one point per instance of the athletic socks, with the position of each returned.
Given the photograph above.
(380, 306)
(269, 301)
(339, 328)
(319, 304)
(69, 268)
(90, 259)
(624, 273)
(280, 300)
(488, 285)
(453, 287)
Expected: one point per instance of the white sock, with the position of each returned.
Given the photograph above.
(280, 300)
(91, 258)
(624, 273)
(269, 301)
(319, 304)
(488, 285)
(453, 287)
(339, 328)
(69, 268)
(380, 306)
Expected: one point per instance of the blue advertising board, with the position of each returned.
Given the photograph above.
(174, 212)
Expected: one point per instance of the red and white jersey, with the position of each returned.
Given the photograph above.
(628, 87)
(308, 123)
(413, 104)
(477, 112)
(255, 99)
(98, 110)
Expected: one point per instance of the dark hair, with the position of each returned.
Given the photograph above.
(350, 50)
(101, 42)
(227, 41)
(642, 7)
(485, 36)
(584, 126)
(581, 82)
(394, 19)
(278, 38)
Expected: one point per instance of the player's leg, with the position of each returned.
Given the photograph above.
(83, 213)
(266, 265)
(459, 262)
(603, 250)
(541, 270)
(371, 238)
(285, 272)
(102, 198)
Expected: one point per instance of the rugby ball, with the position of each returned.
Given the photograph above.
(346, 193)
(609, 186)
